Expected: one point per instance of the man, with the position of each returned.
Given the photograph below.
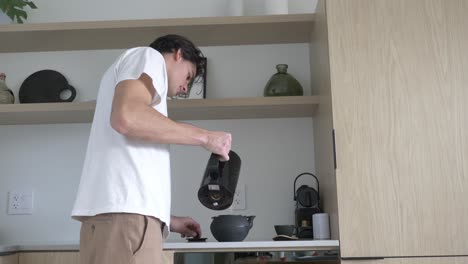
(123, 200)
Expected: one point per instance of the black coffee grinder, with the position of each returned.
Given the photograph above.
(219, 182)
(307, 203)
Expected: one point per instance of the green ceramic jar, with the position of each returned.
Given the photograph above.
(282, 83)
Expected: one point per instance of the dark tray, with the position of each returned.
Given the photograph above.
(45, 86)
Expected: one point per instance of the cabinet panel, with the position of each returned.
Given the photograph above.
(399, 91)
(430, 260)
(168, 257)
(63, 258)
(49, 258)
(9, 259)
(323, 120)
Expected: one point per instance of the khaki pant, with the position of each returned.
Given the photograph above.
(120, 239)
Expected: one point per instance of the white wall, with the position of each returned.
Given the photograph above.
(48, 158)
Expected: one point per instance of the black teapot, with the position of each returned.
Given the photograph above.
(229, 228)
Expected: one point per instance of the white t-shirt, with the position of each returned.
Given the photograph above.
(122, 174)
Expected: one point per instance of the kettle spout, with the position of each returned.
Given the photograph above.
(250, 219)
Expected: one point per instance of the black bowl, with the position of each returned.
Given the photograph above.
(285, 230)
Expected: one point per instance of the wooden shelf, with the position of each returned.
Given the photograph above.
(243, 108)
(121, 34)
(46, 113)
(193, 109)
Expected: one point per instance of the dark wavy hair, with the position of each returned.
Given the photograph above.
(171, 43)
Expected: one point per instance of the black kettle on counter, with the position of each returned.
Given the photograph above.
(219, 181)
(229, 228)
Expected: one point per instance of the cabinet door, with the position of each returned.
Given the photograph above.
(9, 259)
(430, 260)
(399, 83)
(65, 258)
(168, 257)
(49, 258)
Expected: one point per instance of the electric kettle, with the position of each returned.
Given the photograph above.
(219, 182)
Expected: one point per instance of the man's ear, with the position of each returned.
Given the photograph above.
(178, 55)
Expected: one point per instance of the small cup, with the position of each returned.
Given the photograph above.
(285, 230)
(321, 226)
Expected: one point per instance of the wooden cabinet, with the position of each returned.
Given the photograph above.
(393, 86)
(49, 258)
(60, 258)
(432, 260)
(9, 259)
(168, 257)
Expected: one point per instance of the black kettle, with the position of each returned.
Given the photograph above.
(231, 227)
(219, 182)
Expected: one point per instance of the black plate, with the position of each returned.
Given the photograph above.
(196, 239)
(284, 238)
(45, 86)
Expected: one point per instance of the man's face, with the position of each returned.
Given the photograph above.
(180, 74)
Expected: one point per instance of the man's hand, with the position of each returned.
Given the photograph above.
(219, 143)
(185, 226)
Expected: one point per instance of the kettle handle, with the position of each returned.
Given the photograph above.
(213, 165)
(250, 219)
(306, 173)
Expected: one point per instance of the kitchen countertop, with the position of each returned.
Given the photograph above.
(244, 246)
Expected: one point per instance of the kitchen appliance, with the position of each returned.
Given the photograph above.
(219, 181)
(229, 228)
(307, 203)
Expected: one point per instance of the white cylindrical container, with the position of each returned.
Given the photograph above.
(276, 7)
(235, 7)
(321, 226)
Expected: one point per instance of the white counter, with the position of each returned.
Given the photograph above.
(244, 246)
(253, 246)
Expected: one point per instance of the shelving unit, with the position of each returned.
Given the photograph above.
(203, 31)
(192, 109)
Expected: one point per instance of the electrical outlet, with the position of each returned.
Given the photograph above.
(20, 202)
(239, 198)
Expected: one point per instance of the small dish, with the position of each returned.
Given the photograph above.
(284, 238)
(196, 239)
